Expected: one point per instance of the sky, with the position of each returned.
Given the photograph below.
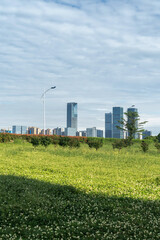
(98, 53)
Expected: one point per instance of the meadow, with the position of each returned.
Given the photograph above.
(64, 193)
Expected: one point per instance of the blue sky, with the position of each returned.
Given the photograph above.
(98, 53)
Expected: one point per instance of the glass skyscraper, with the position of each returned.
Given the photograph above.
(72, 116)
(133, 110)
(117, 116)
(108, 125)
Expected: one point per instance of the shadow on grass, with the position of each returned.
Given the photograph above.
(31, 209)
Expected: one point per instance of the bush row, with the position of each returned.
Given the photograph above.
(123, 143)
(45, 141)
(65, 142)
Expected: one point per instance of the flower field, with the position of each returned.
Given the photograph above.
(63, 193)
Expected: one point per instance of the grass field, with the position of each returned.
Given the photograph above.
(59, 193)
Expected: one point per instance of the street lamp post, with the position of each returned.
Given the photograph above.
(44, 107)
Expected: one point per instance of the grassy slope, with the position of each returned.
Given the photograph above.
(79, 194)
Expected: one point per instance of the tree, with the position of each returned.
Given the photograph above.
(144, 146)
(95, 143)
(131, 124)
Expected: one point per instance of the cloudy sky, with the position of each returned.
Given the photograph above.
(99, 53)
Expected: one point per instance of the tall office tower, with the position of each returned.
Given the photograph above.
(133, 110)
(91, 132)
(117, 116)
(108, 125)
(72, 115)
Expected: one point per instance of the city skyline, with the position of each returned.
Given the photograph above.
(112, 121)
(98, 53)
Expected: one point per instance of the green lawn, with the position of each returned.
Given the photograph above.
(59, 193)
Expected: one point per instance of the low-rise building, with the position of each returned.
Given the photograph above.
(16, 129)
(70, 131)
(32, 130)
(91, 132)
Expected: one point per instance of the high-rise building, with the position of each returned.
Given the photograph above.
(100, 133)
(32, 130)
(16, 129)
(146, 133)
(82, 134)
(108, 125)
(19, 129)
(91, 132)
(42, 132)
(72, 115)
(48, 131)
(131, 117)
(23, 129)
(38, 131)
(117, 116)
(58, 131)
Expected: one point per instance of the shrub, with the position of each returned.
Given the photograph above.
(64, 141)
(95, 143)
(73, 142)
(4, 137)
(45, 141)
(27, 138)
(144, 146)
(55, 142)
(35, 141)
(119, 144)
(127, 142)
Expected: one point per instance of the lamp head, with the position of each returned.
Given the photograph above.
(53, 87)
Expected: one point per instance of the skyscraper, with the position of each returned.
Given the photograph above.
(72, 115)
(117, 116)
(108, 125)
(133, 110)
